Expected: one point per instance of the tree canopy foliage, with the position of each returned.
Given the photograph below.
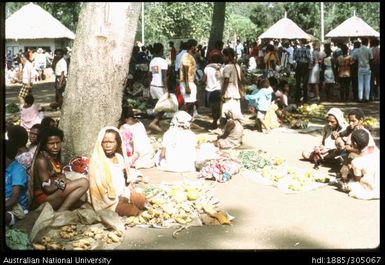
(174, 20)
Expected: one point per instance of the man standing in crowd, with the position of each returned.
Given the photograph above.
(302, 56)
(60, 79)
(364, 57)
(187, 77)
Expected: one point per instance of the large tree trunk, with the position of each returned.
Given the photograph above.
(217, 24)
(99, 64)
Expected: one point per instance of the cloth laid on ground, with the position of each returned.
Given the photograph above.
(73, 226)
(275, 172)
(220, 170)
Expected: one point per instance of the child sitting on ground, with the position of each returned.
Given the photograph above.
(30, 113)
(138, 146)
(16, 182)
(365, 168)
(281, 98)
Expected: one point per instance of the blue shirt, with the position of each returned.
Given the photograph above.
(260, 100)
(15, 175)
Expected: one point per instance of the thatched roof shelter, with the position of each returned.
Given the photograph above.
(353, 27)
(285, 28)
(33, 22)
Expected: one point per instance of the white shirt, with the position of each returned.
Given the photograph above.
(239, 49)
(212, 83)
(117, 175)
(180, 150)
(40, 59)
(28, 73)
(156, 66)
(61, 66)
(141, 141)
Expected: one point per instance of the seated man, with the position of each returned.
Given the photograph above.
(356, 120)
(178, 152)
(232, 133)
(48, 182)
(110, 185)
(365, 167)
(16, 183)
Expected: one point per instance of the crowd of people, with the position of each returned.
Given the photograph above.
(35, 173)
(31, 66)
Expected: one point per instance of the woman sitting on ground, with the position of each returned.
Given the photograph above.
(48, 183)
(232, 133)
(178, 152)
(139, 149)
(281, 99)
(19, 137)
(110, 185)
(33, 134)
(329, 148)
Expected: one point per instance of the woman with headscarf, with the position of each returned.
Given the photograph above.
(232, 133)
(110, 184)
(330, 147)
(178, 152)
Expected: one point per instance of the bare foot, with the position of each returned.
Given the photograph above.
(85, 205)
(155, 128)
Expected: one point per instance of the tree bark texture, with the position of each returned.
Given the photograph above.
(100, 59)
(218, 24)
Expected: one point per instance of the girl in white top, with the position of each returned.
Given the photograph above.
(30, 113)
(134, 136)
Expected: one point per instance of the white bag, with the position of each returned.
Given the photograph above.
(167, 103)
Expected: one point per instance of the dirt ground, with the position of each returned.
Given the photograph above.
(266, 218)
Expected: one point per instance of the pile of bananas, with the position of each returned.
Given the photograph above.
(313, 110)
(202, 139)
(176, 204)
(370, 122)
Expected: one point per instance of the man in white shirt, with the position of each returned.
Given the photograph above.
(158, 68)
(239, 49)
(28, 78)
(61, 76)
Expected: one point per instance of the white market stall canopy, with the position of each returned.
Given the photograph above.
(353, 27)
(285, 28)
(33, 22)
